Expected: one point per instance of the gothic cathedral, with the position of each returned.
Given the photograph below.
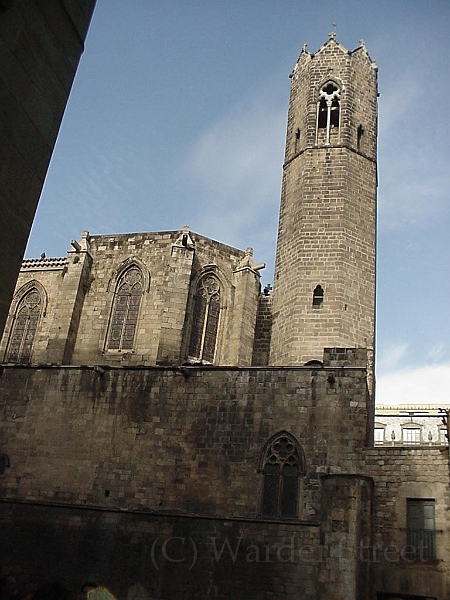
(174, 431)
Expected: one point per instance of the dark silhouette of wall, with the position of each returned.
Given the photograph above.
(41, 42)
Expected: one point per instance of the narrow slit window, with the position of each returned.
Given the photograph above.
(4, 463)
(360, 134)
(318, 296)
(297, 139)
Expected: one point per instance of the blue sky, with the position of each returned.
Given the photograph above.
(178, 115)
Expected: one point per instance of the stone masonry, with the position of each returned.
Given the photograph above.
(326, 233)
(174, 432)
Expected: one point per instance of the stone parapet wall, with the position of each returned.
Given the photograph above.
(156, 464)
(186, 439)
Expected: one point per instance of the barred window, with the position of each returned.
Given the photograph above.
(125, 311)
(282, 466)
(205, 319)
(420, 528)
(24, 327)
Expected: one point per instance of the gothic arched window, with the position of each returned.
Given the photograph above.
(281, 466)
(328, 114)
(125, 310)
(26, 319)
(205, 319)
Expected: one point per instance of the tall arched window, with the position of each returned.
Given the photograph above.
(125, 310)
(205, 319)
(26, 319)
(328, 114)
(281, 466)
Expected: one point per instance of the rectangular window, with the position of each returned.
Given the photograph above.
(420, 529)
(411, 435)
(379, 435)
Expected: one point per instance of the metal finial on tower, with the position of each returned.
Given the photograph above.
(332, 33)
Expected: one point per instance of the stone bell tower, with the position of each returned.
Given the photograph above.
(324, 284)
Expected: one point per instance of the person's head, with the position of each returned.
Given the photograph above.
(100, 593)
(86, 588)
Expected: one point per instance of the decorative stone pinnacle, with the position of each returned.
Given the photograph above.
(185, 240)
(248, 263)
(82, 244)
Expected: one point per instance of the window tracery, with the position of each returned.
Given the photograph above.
(26, 319)
(282, 465)
(125, 310)
(328, 114)
(205, 319)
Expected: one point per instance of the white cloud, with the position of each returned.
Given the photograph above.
(236, 162)
(436, 352)
(424, 385)
(392, 357)
(397, 101)
(238, 146)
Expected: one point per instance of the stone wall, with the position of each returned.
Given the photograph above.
(150, 463)
(80, 291)
(161, 556)
(48, 274)
(159, 465)
(263, 330)
(202, 428)
(400, 474)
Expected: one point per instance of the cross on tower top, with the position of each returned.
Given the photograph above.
(332, 33)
